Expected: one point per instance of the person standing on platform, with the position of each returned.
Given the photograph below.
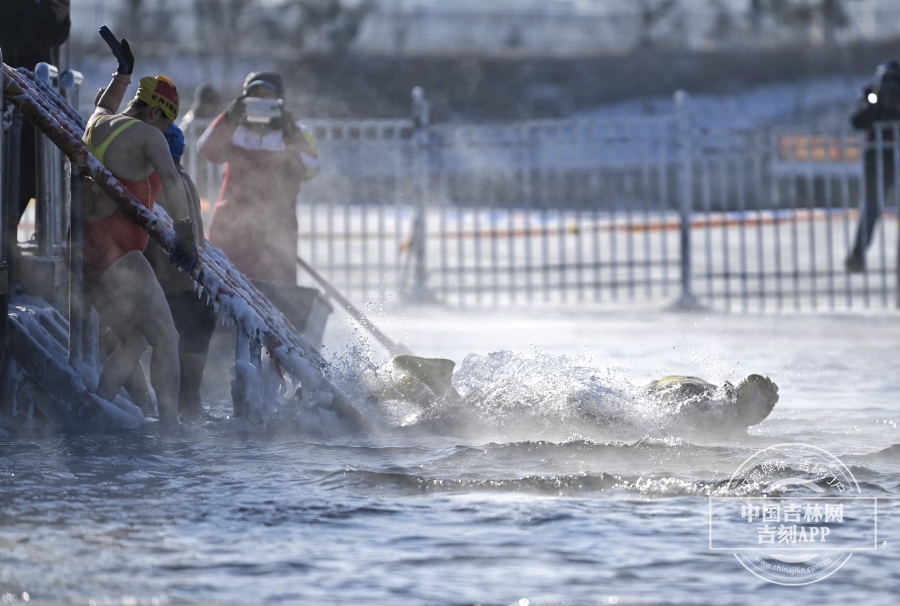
(119, 281)
(194, 316)
(880, 102)
(207, 105)
(267, 155)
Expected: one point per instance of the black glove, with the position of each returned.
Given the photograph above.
(120, 50)
(236, 111)
(185, 254)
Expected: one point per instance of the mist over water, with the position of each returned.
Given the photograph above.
(552, 480)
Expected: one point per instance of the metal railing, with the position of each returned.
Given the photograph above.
(599, 210)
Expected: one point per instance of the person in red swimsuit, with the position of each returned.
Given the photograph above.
(119, 281)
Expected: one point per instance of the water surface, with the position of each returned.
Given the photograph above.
(531, 500)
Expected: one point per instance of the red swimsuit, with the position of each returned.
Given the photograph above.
(107, 240)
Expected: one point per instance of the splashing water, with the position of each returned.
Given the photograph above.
(526, 396)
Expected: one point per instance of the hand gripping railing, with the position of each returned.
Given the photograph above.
(257, 319)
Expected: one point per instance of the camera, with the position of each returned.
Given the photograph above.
(262, 111)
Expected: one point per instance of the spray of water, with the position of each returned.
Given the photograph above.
(527, 396)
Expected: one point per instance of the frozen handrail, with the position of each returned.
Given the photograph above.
(221, 281)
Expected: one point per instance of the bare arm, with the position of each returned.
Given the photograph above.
(111, 97)
(157, 152)
(193, 204)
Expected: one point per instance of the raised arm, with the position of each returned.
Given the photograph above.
(111, 97)
(215, 142)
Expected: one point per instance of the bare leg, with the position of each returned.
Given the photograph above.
(192, 365)
(120, 364)
(131, 302)
(136, 383)
(139, 391)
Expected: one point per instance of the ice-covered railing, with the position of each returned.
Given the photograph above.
(258, 321)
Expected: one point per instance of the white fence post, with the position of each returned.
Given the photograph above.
(421, 115)
(686, 301)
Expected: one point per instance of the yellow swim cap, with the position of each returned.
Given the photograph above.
(159, 92)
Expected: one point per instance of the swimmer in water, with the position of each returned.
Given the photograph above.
(707, 406)
(700, 405)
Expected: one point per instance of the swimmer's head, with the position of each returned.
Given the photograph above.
(175, 139)
(268, 85)
(756, 397)
(161, 96)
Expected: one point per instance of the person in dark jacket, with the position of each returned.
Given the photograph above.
(31, 32)
(880, 102)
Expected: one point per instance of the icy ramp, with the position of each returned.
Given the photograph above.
(231, 291)
(57, 392)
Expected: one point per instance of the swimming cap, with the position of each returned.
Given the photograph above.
(175, 138)
(159, 92)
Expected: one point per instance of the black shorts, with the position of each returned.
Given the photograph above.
(195, 321)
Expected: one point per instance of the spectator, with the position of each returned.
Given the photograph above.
(267, 155)
(880, 102)
(206, 105)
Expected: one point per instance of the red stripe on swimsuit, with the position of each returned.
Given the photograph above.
(108, 240)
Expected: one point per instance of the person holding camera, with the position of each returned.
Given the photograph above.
(880, 102)
(267, 156)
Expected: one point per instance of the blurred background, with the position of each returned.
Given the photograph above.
(546, 158)
(491, 59)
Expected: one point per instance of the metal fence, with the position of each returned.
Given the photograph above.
(555, 211)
